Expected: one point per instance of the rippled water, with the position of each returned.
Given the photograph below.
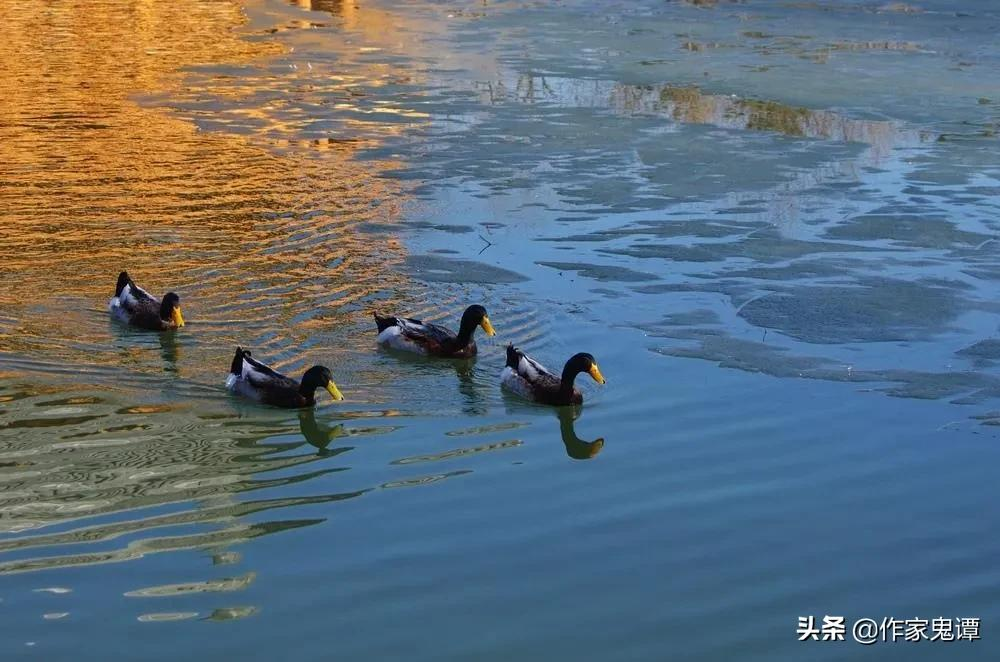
(774, 224)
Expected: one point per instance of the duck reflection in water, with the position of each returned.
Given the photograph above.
(170, 351)
(139, 346)
(322, 435)
(475, 398)
(475, 401)
(576, 448)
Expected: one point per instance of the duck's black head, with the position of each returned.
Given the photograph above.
(474, 316)
(123, 280)
(582, 362)
(170, 310)
(319, 376)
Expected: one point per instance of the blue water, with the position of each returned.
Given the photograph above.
(774, 224)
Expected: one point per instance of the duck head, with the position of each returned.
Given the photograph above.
(170, 310)
(582, 362)
(472, 317)
(316, 377)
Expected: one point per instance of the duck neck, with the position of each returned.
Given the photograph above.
(465, 332)
(569, 374)
(166, 311)
(307, 389)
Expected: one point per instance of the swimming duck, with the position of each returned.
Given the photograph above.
(256, 381)
(137, 307)
(528, 378)
(430, 339)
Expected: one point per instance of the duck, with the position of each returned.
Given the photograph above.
(529, 379)
(255, 381)
(412, 335)
(137, 308)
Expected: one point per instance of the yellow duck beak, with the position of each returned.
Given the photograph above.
(595, 446)
(334, 392)
(487, 327)
(176, 317)
(595, 372)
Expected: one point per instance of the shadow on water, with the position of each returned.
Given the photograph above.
(474, 395)
(170, 351)
(322, 435)
(576, 448)
(472, 381)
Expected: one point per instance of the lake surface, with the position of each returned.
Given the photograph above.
(773, 223)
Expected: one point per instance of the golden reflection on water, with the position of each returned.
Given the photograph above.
(94, 183)
(264, 249)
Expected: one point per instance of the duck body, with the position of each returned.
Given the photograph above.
(412, 335)
(417, 337)
(526, 377)
(137, 308)
(256, 381)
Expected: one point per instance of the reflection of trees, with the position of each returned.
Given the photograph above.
(335, 7)
(689, 105)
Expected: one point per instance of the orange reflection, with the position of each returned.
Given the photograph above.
(263, 248)
(279, 252)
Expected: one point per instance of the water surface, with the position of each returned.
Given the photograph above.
(773, 223)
